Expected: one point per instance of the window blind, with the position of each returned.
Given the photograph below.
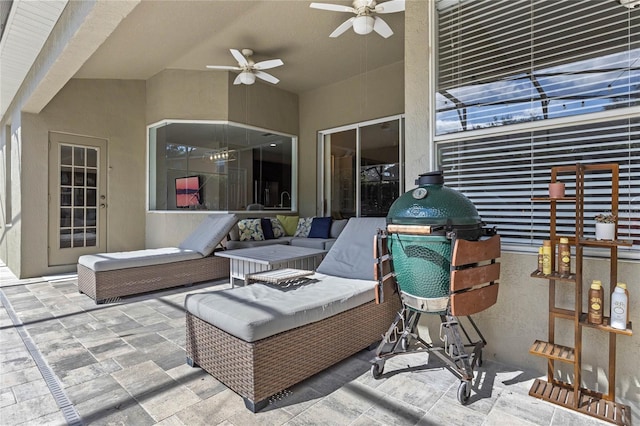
(507, 62)
(502, 62)
(501, 174)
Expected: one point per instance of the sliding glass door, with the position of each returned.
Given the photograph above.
(361, 168)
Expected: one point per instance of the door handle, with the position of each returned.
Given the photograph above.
(102, 206)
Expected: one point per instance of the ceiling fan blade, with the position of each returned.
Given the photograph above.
(265, 65)
(390, 6)
(332, 7)
(238, 80)
(266, 77)
(382, 28)
(223, 67)
(242, 61)
(342, 28)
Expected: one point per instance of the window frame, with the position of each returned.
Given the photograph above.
(293, 208)
(322, 183)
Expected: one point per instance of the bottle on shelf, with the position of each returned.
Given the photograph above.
(540, 260)
(546, 257)
(619, 303)
(564, 257)
(626, 291)
(596, 303)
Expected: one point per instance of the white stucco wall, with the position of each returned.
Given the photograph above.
(377, 93)
(107, 109)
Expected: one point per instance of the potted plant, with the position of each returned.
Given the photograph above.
(605, 226)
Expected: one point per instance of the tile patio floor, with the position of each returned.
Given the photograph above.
(124, 363)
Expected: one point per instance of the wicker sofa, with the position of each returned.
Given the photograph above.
(107, 276)
(261, 338)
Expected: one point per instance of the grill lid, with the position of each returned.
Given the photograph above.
(432, 203)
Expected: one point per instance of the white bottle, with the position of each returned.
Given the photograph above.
(619, 304)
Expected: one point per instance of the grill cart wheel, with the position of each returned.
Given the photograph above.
(376, 369)
(464, 392)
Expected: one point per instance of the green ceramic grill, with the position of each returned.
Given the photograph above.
(421, 225)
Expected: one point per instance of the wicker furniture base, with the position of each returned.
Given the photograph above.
(260, 369)
(102, 286)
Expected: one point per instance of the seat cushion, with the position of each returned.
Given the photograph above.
(336, 227)
(132, 259)
(351, 256)
(209, 233)
(257, 311)
(315, 243)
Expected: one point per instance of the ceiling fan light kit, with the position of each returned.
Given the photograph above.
(246, 77)
(249, 69)
(365, 21)
(363, 24)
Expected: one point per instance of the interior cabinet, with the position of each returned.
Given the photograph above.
(572, 395)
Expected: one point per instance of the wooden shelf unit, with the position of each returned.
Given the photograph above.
(571, 395)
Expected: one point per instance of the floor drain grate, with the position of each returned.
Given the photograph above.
(68, 410)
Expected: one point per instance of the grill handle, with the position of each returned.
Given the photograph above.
(414, 229)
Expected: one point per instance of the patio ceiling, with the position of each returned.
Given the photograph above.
(25, 28)
(189, 35)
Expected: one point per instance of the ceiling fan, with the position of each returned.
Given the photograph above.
(249, 69)
(630, 3)
(365, 20)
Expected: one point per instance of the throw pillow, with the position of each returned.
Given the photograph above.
(304, 226)
(250, 229)
(278, 230)
(267, 228)
(320, 227)
(337, 226)
(289, 223)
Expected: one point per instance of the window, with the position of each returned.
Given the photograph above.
(220, 166)
(501, 181)
(527, 85)
(506, 62)
(361, 168)
(78, 191)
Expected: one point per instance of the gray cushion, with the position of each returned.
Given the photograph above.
(337, 226)
(316, 243)
(351, 256)
(209, 233)
(257, 311)
(135, 258)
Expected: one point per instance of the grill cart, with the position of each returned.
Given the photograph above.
(444, 263)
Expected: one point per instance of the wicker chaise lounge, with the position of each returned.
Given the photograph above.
(106, 276)
(262, 338)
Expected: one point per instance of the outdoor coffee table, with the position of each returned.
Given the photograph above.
(252, 260)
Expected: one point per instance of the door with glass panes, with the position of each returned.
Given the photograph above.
(77, 197)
